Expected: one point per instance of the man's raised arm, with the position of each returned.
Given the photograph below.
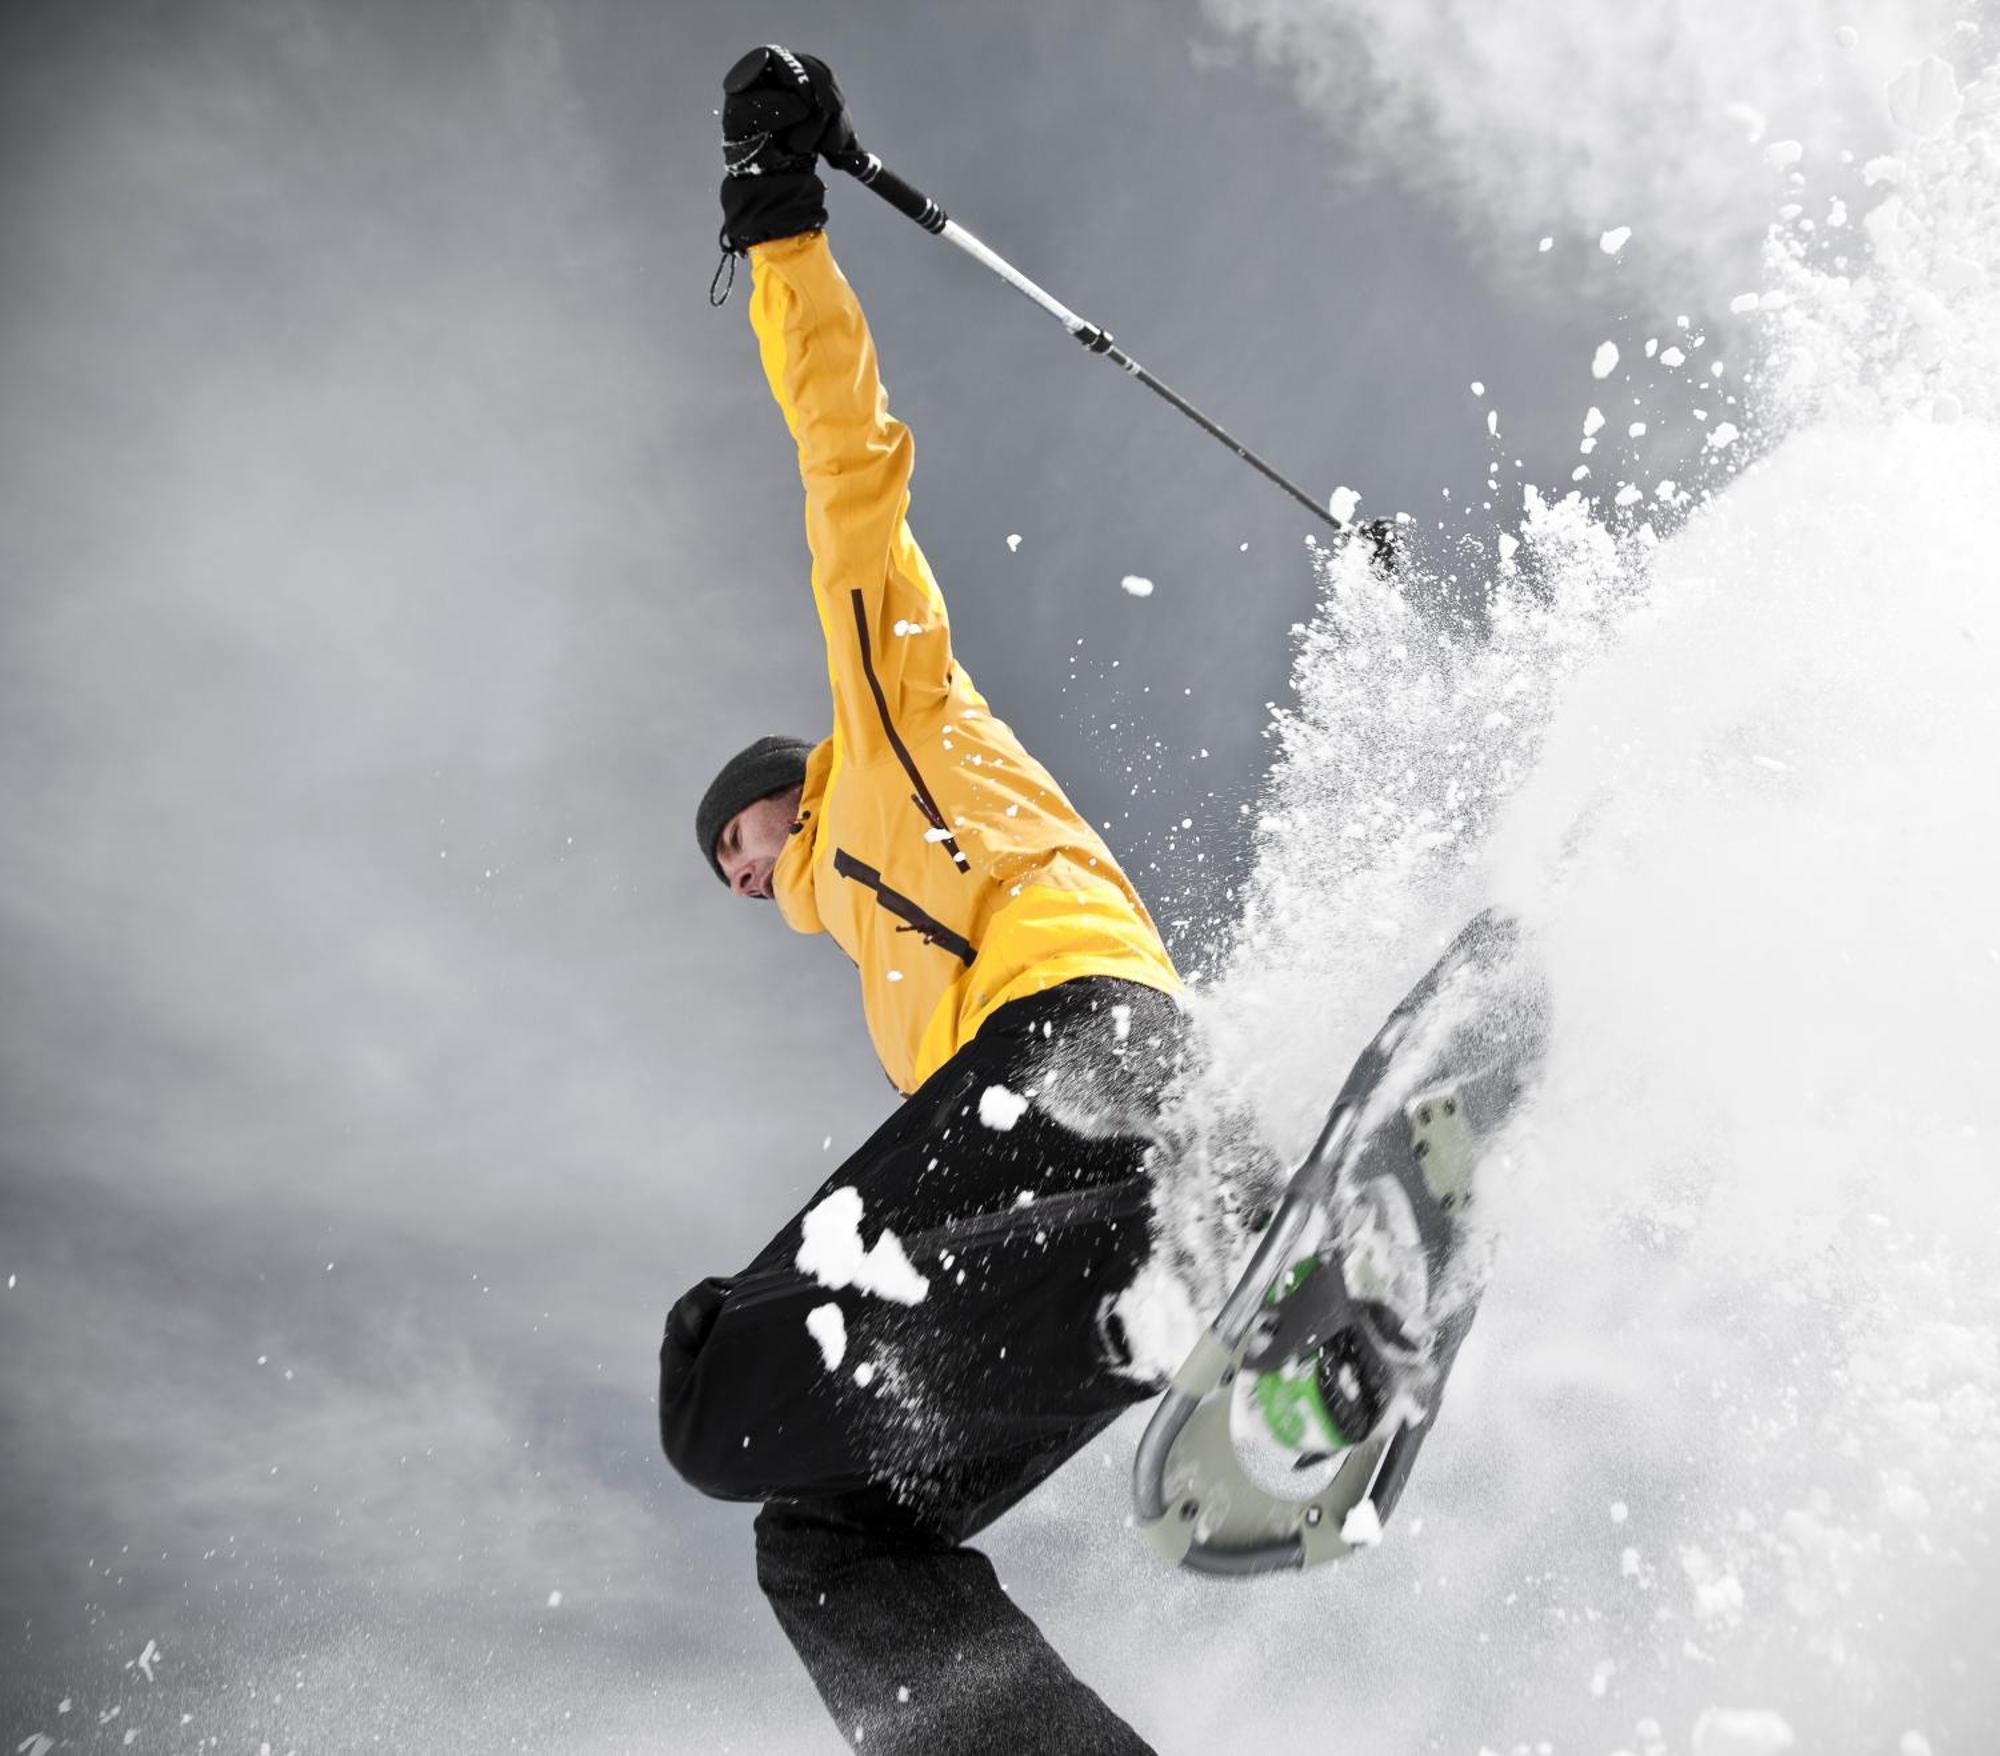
(888, 642)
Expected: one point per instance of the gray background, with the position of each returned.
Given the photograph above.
(392, 541)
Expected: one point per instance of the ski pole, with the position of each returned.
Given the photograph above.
(867, 168)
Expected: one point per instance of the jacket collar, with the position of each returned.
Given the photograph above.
(791, 878)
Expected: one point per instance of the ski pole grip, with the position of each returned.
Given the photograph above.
(914, 204)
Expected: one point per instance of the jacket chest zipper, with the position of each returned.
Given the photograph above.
(914, 919)
(921, 797)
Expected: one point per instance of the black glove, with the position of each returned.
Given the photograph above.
(779, 112)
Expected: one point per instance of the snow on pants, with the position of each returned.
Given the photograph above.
(882, 1441)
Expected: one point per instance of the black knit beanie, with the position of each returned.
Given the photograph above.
(771, 765)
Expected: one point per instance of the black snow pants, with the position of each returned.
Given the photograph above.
(882, 1435)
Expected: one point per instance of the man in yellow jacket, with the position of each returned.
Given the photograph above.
(928, 1338)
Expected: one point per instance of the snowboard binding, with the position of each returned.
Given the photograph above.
(1286, 1437)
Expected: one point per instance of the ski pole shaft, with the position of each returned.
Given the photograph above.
(914, 204)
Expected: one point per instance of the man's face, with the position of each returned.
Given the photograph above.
(751, 841)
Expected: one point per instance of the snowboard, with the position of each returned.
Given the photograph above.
(1287, 1436)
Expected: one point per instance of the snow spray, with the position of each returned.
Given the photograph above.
(1719, 1466)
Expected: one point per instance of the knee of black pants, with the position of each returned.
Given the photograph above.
(687, 1429)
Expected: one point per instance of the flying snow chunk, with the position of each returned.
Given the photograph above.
(1741, 1731)
(1342, 502)
(1923, 98)
(1742, 304)
(1847, 36)
(1724, 434)
(1781, 155)
(555, 1600)
(1362, 1528)
(1013, 541)
(1546, 245)
(1614, 240)
(1749, 118)
(828, 1327)
(1593, 420)
(1606, 359)
(832, 1254)
(1137, 585)
(1000, 1108)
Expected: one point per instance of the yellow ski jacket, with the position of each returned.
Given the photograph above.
(944, 860)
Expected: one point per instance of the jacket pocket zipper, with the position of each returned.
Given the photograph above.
(934, 932)
(921, 798)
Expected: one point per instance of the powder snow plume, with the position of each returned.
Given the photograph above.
(1676, 118)
(1718, 1467)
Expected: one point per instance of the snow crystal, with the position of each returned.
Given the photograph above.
(1362, 1528)
(826, 1325)
(1750, 117)
(1741, 1731)
(1137, 585)
(1605, 360)
(832, 1253)
(1159, 1323)
(1000, 1108)
(1613, 241)
(1013, 541)
(1923, 98)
